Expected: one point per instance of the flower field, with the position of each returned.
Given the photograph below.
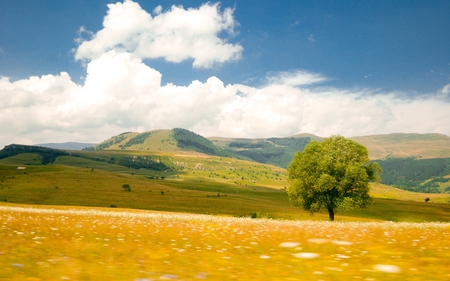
(75, 243)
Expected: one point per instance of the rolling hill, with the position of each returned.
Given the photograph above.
(187, 162)
(183, 181)
(274, 151)
(67, 145)
(161, 140)
(415, 162)
(406, 146)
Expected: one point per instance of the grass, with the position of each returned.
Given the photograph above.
(406, 145)
(198, 184)
(388, 192)
(75, 243)
(80, 241)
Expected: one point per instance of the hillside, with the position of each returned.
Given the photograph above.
(415, 162)
(406, 145)
(41, 155)
(161, 140)
(274, 151)
(67, 145)
(182, 182)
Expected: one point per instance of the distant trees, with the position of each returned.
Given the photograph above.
(48, 155)
(126, 187)
(333, 174)
(420, 175)
(189, 140)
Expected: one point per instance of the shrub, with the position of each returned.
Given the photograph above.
(126, 187)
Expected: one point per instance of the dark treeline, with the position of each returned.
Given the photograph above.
(48, 155)
(275, 151)
(189, 140)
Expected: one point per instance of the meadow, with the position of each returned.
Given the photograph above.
(208, 217)
(196, 183)
(78, 243)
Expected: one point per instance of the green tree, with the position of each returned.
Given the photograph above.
(332, 175)
(126, 187)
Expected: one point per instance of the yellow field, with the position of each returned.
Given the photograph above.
(75, 243)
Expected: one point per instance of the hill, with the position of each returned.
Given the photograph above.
(41, 155)
(430, 175)
(181, 181)
(67, 145)
(420, 172)
(161, 140)
(274, 151)
(406, 145)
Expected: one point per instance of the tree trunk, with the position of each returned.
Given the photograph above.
(331, 214)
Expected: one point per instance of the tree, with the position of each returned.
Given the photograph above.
(333, 174)
(126, 187)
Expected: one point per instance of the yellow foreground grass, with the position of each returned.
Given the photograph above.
(74, 243)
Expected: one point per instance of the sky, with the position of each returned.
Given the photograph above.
(87, 70)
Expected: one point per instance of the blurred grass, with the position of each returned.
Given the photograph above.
(76, 243)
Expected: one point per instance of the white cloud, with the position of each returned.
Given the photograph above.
(444, 92)
(176, 35)
(295, 78)
(121, 93)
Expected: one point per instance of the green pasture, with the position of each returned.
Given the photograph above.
(196, 183)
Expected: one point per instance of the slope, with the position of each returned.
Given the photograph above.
(406, 145)
(274, 151)
(191, 182)
(161, 140)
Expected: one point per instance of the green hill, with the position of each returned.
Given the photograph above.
(182, 181)
(44, 155)
(161, 140)
(274, 151)
(160, 151)
(415, 162)
(67, 145)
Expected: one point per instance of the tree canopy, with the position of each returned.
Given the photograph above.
(332, 175)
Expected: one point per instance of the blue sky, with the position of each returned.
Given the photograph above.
(391, 55)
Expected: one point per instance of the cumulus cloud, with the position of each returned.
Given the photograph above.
(122, 93)
(176, 35)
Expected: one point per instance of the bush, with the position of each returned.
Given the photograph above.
(259, 215)
(126, 187)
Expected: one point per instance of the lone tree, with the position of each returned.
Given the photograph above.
(333, 174)
(126, 187)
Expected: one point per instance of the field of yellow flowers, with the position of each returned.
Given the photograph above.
(71, 243)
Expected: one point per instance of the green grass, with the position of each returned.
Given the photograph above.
(23, 159)
(197, 184)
